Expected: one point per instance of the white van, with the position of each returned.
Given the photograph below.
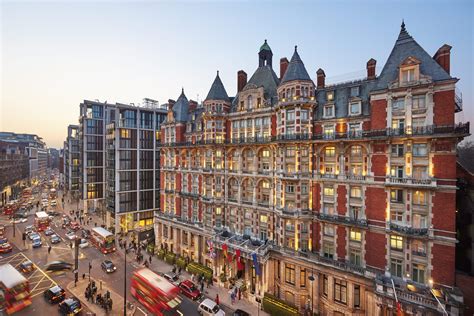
(209, 308)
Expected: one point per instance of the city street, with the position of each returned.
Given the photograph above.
(40, 280)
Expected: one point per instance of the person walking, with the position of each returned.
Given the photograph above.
(232, 298)
(49, 249)
(217, 298)
(150, 260)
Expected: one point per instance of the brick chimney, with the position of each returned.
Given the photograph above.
(241, 80)
(283, 66)
(192, 105)
(171, 102)
(443, 57)
(371, 69)
(321, 77)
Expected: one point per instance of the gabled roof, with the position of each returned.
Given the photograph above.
(405, 47)
(296, 69)
(217, 91)
(264, 77)
(181, 108)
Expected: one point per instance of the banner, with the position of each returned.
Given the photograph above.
(240, 265)
(255, 264)
(224, 250)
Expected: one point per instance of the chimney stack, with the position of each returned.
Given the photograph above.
(443, 57)
(283, 66)
(171, 102)
(371, 69)
(241, 80)
(321, 77)
(192, 105)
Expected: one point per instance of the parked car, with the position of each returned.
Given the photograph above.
(55, 239)
(108, 266)
(239, 312)
(27, 266)
(70, 306)
(71, 235)
(36, 243)
(5, 246)
(83, 244)
(171, 276)
(18, 220)
(75, 225)
(49, 232)
(33, 235)
(53, 213)
(29, 229)
(210, 308)
(85, 233)
(190, 290)
(58, 266)
(55, 294)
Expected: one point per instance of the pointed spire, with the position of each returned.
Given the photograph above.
(265, 46)
(296, 48)
(403, 25)
(296, 69)
(217, 91)
(403, 33)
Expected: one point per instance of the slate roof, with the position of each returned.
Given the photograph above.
(265, 77)
(265, 46)
(296, 69)
(217, 91)
(406, 46)
(181, 108)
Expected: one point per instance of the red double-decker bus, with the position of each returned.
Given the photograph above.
(15, 290)
(157, 294)
(41, 221)
(102, 239)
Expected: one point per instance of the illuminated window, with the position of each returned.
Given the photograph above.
(218, 153)
(356, 192)
(125, 133)
(355, 235)
(330, 151)
(218, 211)
(330, 95)
(356, 150)
(396, 242)
(328, 191)
(263, 219)
(419, 198)
(265, 153)
(419, 273)
(265, 184)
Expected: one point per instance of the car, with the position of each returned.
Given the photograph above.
(53, 213)
(58, 266)
(49, 232)
(71, 235)
(27, 266)
(5, 246)
(83, 244)
(70, 306)
(55, 239)
(108, 266)
(239, 312)
(75, 226)
(190, 290)
(18, 220)
(29, 229)
(33, 235)
(36, 243)
(85, 233)
(171, 276)
(55, 294)
(208, 307)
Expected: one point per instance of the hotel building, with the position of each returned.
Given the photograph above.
(345, 193)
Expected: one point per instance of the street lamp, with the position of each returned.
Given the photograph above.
(311, 280)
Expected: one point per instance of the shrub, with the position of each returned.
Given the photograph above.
(199, 269)
(161, 254)
(276, 306)
(170, 258)
(181, 262)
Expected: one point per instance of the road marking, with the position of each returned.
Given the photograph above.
(37, 284)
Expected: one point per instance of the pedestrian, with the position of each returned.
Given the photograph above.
(202, 286)
(192, 277)
(239, 293)
(83, 276)
(49, 249)
(150, 259)
(70, 245)
(209, 281)
(232, 297)
(179, 270)
(217, 298)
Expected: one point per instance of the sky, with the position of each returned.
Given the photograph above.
(56, 54)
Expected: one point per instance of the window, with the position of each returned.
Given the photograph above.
(249, 102)
(356, 192)
(330, 151)
(328, 209)
(328, 191)
(420, 172)
(356, 296)
(398, 104)
(329, 111)
(328, 230)
(265, 153)
(354, 91)
(330, 95)
(397, 150)
(418, 102)
(290, 116)
(419, 197)
(290, 152)
(263, 219)
(420, 221)
(396, 196)
(328, 250)
(303, 278)
(420, 150)
(418, 123)
(340, 291)
(356, 150)
(325, 285)
(328, 131)
(304, 115)
(355, 256)
(396, 216)
(398, 124)
(396, 267)
(304, 189)
(290, 273)
(419, 273)
(396, 171)
(355, 235)
(396, 242)
(408, 75)
(290, 188)
(354, 108)
(265, 184)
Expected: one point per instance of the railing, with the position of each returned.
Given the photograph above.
(406, 230)
(296, 99)
(411, 181)
(418, 253)
(458, 100)
(336, 218)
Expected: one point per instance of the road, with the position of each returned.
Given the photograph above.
(62, 251)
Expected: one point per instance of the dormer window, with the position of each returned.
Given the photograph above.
(219, 108)
(355, 91)
(329, 111)
(330, 95)
(249, 102)
(408, 75)
(354, 108)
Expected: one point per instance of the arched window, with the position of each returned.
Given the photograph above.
(249, 102)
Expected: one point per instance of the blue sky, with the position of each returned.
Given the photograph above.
(55, 54)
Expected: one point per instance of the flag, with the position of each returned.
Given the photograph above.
(399, 309)
(224, 249)
(240, 265)
(255, 264)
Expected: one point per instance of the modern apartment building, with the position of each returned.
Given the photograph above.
(72, 161)
(14, 167)
(334, 198)
(120, 162)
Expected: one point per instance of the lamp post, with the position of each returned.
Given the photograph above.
(311, 280)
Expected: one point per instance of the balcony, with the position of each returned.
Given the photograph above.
(418, 253)
(293, 137)
(409, 231)
(340, 219)
(411, 182)
(458, 100)
(296, 100)
(294, 212)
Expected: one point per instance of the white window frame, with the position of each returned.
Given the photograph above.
(359, 103)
